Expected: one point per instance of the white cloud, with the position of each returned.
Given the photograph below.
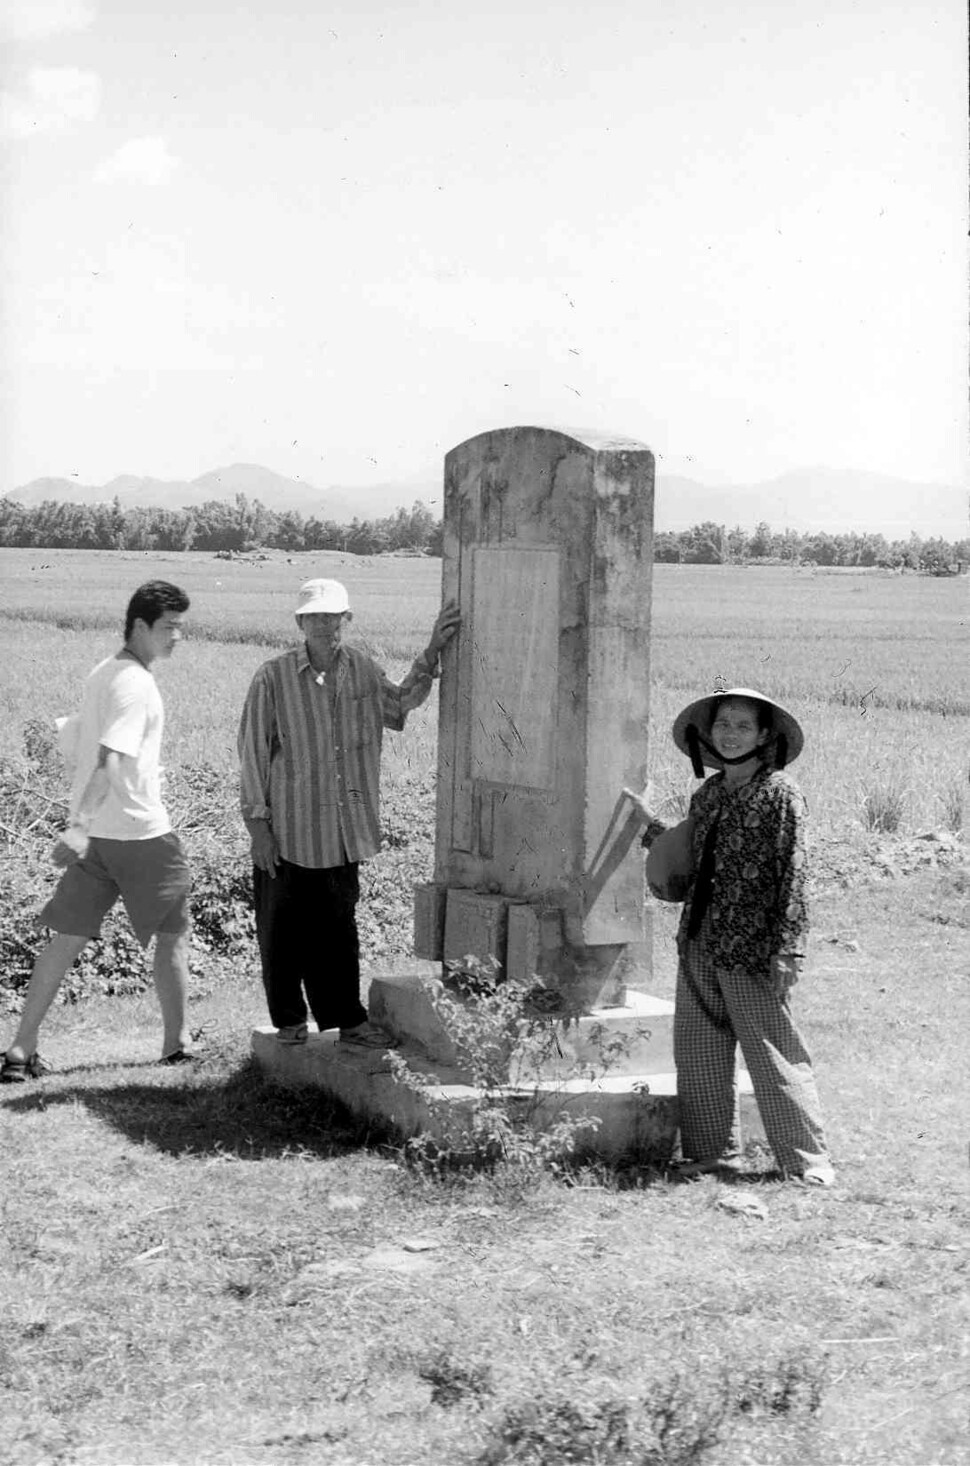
(140, 160)
(50, 99)
(34, 20)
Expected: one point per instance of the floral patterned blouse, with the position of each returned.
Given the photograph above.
(758, 903)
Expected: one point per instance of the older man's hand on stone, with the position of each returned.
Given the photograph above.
(446, 624)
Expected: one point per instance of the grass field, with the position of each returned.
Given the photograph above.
(198, 1270)
(875, 666)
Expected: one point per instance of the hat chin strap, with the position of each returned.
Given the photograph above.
(695, 742)
(742, 758)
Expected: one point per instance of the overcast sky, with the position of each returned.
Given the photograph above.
(339, 239)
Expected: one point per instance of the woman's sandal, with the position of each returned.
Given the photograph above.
(693, 1170)
(18, 1071)
(817, 1176)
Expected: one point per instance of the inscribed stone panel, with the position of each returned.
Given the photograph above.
(515, 666)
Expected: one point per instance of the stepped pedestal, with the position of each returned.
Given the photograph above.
(616, 1066)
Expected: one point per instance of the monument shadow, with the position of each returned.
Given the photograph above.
(245, 1115)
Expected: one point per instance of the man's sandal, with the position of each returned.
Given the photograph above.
(694, 1170)
(180, 1056)
(366, 1036)
(18, 1071)
(292, 1035)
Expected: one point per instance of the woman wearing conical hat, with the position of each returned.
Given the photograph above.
(742, 936)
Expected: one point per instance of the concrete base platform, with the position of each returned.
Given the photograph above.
(637, 1113)
(636, 1039)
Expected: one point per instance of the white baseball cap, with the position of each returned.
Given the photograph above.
(323, 597)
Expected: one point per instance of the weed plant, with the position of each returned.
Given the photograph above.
(678, 1423)
(953, 800)
(884, 806)
(502, 1048)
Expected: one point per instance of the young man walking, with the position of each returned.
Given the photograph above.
(310, 750)
(120, 840)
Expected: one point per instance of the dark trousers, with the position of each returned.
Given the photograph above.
(306, 928)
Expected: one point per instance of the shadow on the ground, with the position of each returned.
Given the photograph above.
(242, 1115)
(627, 1175)
(209, 1111)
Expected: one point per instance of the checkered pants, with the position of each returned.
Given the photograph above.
(715, 1011)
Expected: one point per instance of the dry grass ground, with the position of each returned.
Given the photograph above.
(199, 1270)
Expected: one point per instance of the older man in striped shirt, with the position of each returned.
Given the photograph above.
(310, 750)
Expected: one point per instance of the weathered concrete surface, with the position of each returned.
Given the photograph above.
(544, 696)
(361, 1078)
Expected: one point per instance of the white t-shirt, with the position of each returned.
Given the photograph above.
(122, 709)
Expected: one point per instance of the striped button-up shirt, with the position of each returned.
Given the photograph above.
(310, 751)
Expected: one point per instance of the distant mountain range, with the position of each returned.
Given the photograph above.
(811, 500)
(273, 489)
(822, 499)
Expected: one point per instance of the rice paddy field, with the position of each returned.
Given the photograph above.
(874, 665)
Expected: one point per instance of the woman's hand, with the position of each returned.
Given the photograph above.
(652, 825)
(639, 802)
(786, 969)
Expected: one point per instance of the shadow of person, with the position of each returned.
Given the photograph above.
(244, 1115)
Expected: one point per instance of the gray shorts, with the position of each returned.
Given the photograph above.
(151, 877)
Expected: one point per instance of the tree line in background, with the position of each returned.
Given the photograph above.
(240, 524)
(243, 525)
(713, 544)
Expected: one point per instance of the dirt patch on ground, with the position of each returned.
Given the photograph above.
(837, 864)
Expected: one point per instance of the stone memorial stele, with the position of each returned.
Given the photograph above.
(543, 711)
